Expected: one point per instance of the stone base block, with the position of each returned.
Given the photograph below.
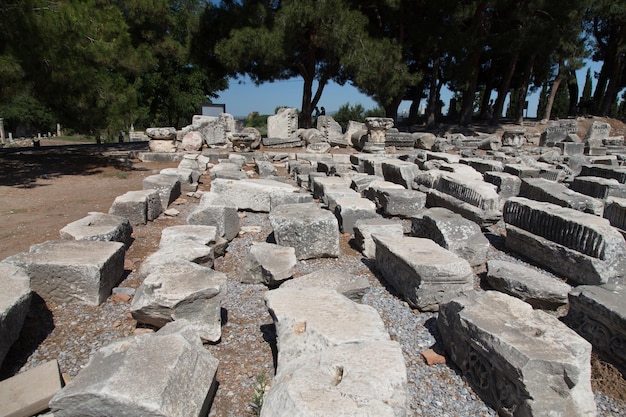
(100, 226)
(168, 187)
(364, 229)
(15, 298)
(138, 207)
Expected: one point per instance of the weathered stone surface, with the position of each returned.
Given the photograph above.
(268, 264)
(333, 354)
(310, 230)
(522, 171)
(423, 272)
(15, 298)
(349, 210)
(424, 140)
(376, 189)
(121, 379)
(508, 185)
(264, 168)
(28, 393)
(99, 226)
(364, 229)
(604, 171)
(452, 232)
(253, 194)
(579, 246)
(318, 148)
(217, 133)
(216, 210)
(351, 286)
(161, 133)
(290, 142)
(322, 184)
(483, 165)
(283, 124)
(596, 187)
(63, 271)
(205, 235)
(138, 206)
(598, 313)
(537, 289)
(403, 203)
(192, 141)
(557, 132)
(182, 251)
(399, 172)
(523, 361)
(179, 290)
(556, 193)
(598, 131)
(168, 187)
(188, 178)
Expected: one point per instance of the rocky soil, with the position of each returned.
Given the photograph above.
(71, 332)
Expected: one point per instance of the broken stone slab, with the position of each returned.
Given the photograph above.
(351, 286)
(138, 206)
(402, 203)
(364, 229)
(265, 169)
(520, 360)
(99, 226)
(290, 142)
(215, 210)
(321, 185)
(601, 188)
(522, 171)
(540, 189)
(598, 313)
(161, 133)
(423, 272)
(15, 296)
(268, 264)
(604, 171)
(28, 393)
(375, 190)
(598, 131)
(537, 289)
(189, 251)
(188, 178)
(279, 197)
(226, 170)
(63, 271)
(182, 290)
(557, 132)
(168, 187)
(508, 185)
(349, 210)
(484, 165)
(253, 194)
(453, 232)
(399, 172)
(578, 246)
(121, 379)
(205, 235)
(318, 148)
(313, 232)
(615, 213)
(283, 124)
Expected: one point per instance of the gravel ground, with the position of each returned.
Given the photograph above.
(70, 333)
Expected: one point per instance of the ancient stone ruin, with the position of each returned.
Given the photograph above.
(427, 223)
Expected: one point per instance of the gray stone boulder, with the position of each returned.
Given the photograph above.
(364, 229)
(399, 172)
(192, 141)
(402, 203)
(252, 194)
(423, 272)
(189, 251)
(15, 295)
(205, 235)
(188, 178)
(138, 207)
(283, 124)
(215, 210)
(99, 226)
(349, 210)
(351, 286)
(333, 354)
(264, 168)
(524, 362)
(537, 289)
(161, 133)
(268, 264)
(168, 187)
(63, 271)
(452, 232)
(182, 291)
(162, 375)
(556, 193)
(313, 232)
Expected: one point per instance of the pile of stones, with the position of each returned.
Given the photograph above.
(555, 200)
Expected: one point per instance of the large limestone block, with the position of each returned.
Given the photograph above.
(399, 172)
(215, 210)
(189, 251)
(205, 235)
(351, 286)
(182, 292)
(188, 178)
(160, 375)
(15, 298)
(283, 124)
(67, 270)
(28, 393)
(423, 272)
(403, 203)
(350, 209)
(192, 141)
(253, 194)
(161, 133)
(99, 226)
(556, 193)
(523, 361)
(364, 229)
(581, 247)
(268, 264)
(310, 230)
(598, 313)
(138, 206)
(535, 288)
(168, 187)
(453, 232)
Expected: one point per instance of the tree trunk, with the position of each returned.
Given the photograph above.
(416, 100)
(614, 86)
(467, 109)
(391, 110)
(503, 90)
(528, 72)
(433, 97)
(307, 93)
(555, 86)
(572, 88)
(484, 104)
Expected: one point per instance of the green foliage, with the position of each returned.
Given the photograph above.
(560, 107)
(355, 113)
(586, 96)
(257, 120)
(262, 380)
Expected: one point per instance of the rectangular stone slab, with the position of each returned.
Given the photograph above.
(28, 393)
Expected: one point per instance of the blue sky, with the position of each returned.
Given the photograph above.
(243, 96)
